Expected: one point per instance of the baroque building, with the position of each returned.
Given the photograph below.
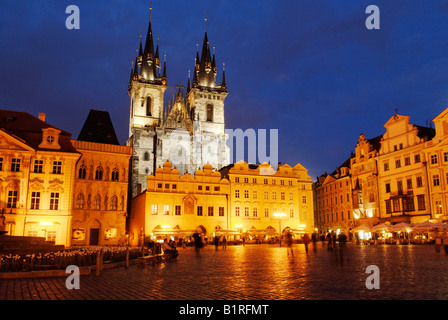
(37, 163)
(189, 130)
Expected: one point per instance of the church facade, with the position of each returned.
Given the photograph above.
(188, 130)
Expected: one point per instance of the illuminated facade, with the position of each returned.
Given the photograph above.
(436, 156)
(188, 130)
(176, 205)
(37, 163)
(264, 202)
(402, 172)
(333, 203)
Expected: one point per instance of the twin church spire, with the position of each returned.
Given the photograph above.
(147, 67)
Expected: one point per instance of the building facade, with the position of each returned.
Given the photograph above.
(177, 206)
(37, 177)
(189, 129)
(333, 204)
(265, 202)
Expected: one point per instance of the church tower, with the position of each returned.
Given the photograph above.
(206, 100)
(189, 131)
(146, 90)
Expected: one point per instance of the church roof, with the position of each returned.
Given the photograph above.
(98, 128)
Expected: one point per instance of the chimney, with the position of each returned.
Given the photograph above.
(42, 116)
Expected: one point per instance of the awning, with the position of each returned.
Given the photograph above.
(261, 231)
(223, 231)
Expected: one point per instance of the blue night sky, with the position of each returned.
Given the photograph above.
(308, 68)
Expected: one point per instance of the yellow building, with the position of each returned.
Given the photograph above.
(402, 172)
(333, 202)
(37, 163)
(264, 202)
(101, 184)
(436, 155)
(177, 206)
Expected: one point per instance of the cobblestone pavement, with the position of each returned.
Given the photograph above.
(259, 272)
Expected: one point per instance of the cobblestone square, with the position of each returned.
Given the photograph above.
(259, 272)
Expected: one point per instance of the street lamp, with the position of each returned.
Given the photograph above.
(279, 216)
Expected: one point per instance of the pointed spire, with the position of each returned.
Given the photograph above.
(164, 66)
(188, 84)
(223, 84)
(140, 52)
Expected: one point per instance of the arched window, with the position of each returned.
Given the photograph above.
(99, 173)
(82, 172)
(97, 202)
(115, 175)
(80, 201)
(148, 106)
(114, 203)
(146, 156)
(209, 112)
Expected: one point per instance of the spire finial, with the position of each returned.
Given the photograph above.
(205, 19)
(150, 11)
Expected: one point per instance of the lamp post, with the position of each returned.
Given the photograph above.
(279, 216)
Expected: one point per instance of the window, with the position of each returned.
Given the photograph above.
(246, 211)
(210, 211)
(388, 207)
(396, 204)
(97, 203)
(246, 180)
(209, 112)
(433, 159)
(291, 213)
(51, 236)
(57, 167)
(397, 163)
(387, 187)
(167, 185)
(146, 156)
(166, 209)
(1, 163)
(266, 212)
(35, 200)
(291, 196)
(435, 180)
(99, 173)
(408, 204)
(246, 194)
(303, 199)
(54, 201)
(174, 187)
(237, 211)
(237, 179)
(177, 210)
(421, 202)
(148, 106)
(409, 183)
(419, 182)
(15, 164)
(445, 156)
(254, 180)
(417, 158)
(38, 166)
(114, 203)
(199, 188)
(199, 210)
(255, 194)
(282, 182)
(265, 181)
(79, 204)
(115, 174)
(216, 189)
(159, 186)
(154, 209)
(439, 209)
(407, 161)
(82, 172)
(290, 182)
(237, 194)
(221, 211)
(255, 211)
(274, 195)
(266, 193)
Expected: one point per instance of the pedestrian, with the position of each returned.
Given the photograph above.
(306, 241)
(288, 240)
(198, 244)
(216, 241)
(329, 242)
(438, 240)
(224, 242)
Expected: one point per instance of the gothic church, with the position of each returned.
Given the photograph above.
(189, 130)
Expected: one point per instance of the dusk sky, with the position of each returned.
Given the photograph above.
(310, 69)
